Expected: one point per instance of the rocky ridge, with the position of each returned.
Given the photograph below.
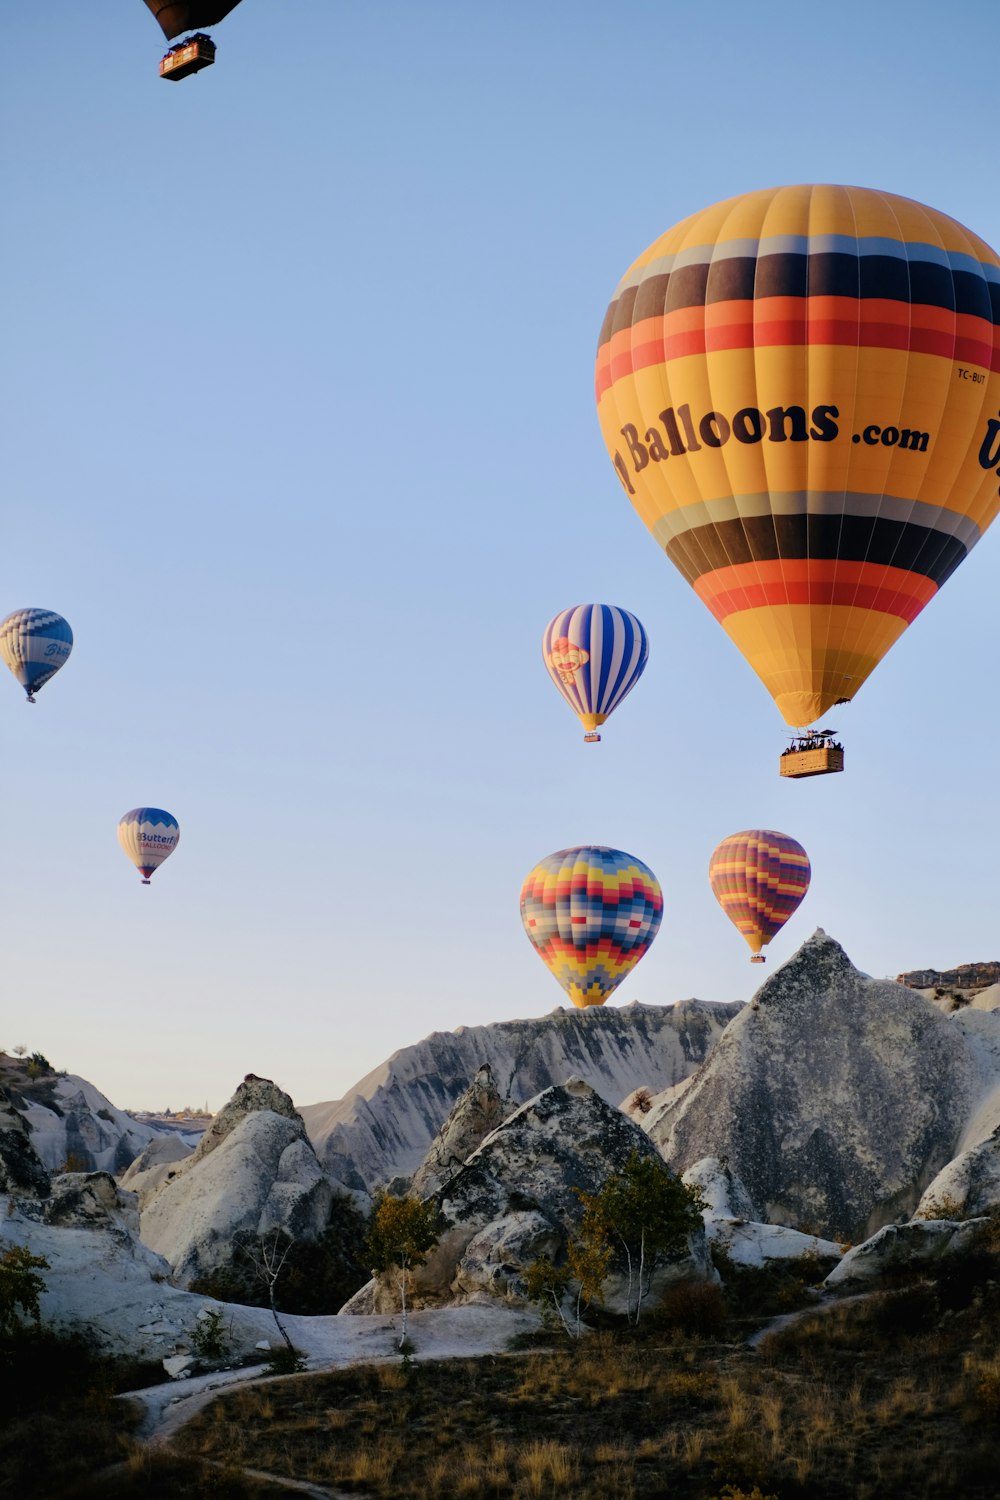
(384, 1128)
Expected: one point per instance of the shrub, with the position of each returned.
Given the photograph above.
(208, 1337)
(20, 1288)
(696, 1308)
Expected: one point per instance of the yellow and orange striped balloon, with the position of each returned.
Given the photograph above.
(800, 391)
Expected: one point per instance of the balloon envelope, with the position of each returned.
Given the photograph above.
(590, 914)
(800, 390)
(175, 17)
(35, 643)
(149, 836)
(758, 878)
(595, 655)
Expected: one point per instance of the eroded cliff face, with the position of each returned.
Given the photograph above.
(253, 1172)
(384, 1128)
(835, 1099)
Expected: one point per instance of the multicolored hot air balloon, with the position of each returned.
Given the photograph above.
(800, 390)
(595, 655)
(149, 836)
(758, 878)
(591, 913)
(35, 643)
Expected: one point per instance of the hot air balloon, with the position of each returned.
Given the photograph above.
(195, 52)
(758, 878)
(35, 643)
(799, 390)
(595, 655)
(591, 913)
(149, 836)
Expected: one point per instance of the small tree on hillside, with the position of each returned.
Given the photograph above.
(648, 1213)
(403, 1231)
(20, 1287)
(587, 1264)
(267, 1255)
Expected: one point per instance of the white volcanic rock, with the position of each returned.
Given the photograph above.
(517, 1195)
(751, 1244)
(79, 1125)
(91, 1200)
(495, 1258)
(263, 1175)
(730, 1226)
(21, 1168)
(385, 1126)
(155, 1165)
(724, 1195)
(902, 1246)
(968, 1186)
(834, 1098)
(479, 1110)
(981, 1033)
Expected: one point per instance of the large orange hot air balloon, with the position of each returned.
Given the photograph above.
(800, 392)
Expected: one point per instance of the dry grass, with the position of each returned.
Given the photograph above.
(896, 1396)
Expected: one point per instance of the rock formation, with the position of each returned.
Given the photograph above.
(21, 1169)
(968, 1186)
(73, 1124)
(479, 1110)
(516, 1199)
(155, 1165)
(253, 1172)
(834, 1099)
(385, 1126)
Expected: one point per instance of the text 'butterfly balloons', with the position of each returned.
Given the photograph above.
(35, 643)
(149, 836)
(799, 389)
(591, 913)
(758, 878)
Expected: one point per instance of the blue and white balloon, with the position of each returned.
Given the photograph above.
(595, 655)
(35, 643)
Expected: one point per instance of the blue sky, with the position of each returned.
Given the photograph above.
(300, 436)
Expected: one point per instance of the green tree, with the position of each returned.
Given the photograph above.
(586, 1266)
(403, 1231)
(647, 1214)
(20, 1287)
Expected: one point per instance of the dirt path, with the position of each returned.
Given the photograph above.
(818, 1309)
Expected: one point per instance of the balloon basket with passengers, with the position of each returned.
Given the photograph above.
(194, 52)
(812, 753)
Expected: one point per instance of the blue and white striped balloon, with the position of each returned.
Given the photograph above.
(595, 655)
(149, 836)
(35, 643)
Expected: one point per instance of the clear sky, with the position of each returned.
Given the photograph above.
(299, 434)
